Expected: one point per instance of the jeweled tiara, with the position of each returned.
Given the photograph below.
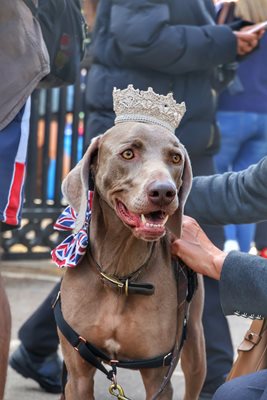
(147, 106)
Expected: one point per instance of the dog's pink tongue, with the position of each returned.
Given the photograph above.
(128, 217)
(132, 219)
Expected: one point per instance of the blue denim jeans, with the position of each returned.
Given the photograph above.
(243, 143)
(248, 387)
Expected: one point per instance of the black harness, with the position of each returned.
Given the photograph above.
(92, 354)
(96, 357)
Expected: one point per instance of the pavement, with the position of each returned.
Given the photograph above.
(27, 284)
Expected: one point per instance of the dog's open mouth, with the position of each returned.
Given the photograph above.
(149, 226)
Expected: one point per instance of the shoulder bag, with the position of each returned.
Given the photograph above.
(252, 352)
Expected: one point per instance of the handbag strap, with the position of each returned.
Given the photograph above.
(258, 325)
(253, 335)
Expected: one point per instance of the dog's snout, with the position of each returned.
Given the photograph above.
(161, 193)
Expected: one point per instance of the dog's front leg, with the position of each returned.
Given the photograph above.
(80, 387)
(80, 374)
(152, 379)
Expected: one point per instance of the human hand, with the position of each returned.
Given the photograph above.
(197, 251)
(247, 41)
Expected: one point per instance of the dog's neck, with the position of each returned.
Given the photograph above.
(113, 245)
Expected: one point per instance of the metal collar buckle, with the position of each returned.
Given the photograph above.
(120, 285)
(113, 280)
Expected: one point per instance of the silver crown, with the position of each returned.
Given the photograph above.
(147, 106)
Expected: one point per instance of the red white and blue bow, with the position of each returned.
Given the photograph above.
(70, 252)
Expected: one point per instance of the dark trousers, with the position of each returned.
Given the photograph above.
(261, 235)
(39, 333)
(219, 349)
(248, 387)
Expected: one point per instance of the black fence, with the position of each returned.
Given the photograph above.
(55, 145)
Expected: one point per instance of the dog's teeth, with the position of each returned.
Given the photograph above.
(165, 220)
(154, 225)
(149, 225)
(143, 219)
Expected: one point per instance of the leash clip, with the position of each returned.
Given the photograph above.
(117, 391)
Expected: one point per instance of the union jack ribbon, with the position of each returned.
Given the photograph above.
(66, 220)
(70, 252)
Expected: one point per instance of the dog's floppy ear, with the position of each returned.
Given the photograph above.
(75, 186)
(174, 223)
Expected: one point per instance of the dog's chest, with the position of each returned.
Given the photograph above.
(133, 328)
(127, 326)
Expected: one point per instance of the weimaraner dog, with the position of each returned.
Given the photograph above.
(142, 176)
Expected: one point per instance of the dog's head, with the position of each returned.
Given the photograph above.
(142, 171)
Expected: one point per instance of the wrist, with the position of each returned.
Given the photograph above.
(218, 262)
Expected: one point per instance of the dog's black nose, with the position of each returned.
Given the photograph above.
(161, 193)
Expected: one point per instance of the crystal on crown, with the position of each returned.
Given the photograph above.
(147, 106)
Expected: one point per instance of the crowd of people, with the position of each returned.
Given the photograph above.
(203, 55)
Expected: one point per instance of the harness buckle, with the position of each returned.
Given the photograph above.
(165, 358)
(113, 364)
(81, 339)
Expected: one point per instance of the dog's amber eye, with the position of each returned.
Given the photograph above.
(128, 154)
(176, 158)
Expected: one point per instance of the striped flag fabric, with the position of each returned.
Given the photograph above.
(70, 252)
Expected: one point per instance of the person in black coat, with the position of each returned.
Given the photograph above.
(172, 46)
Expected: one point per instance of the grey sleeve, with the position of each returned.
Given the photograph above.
(234, 197)
(243, 285)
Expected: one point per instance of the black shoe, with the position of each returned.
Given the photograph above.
(45, 371)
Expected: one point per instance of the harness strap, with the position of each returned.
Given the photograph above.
(85, 349)
(90, 353)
